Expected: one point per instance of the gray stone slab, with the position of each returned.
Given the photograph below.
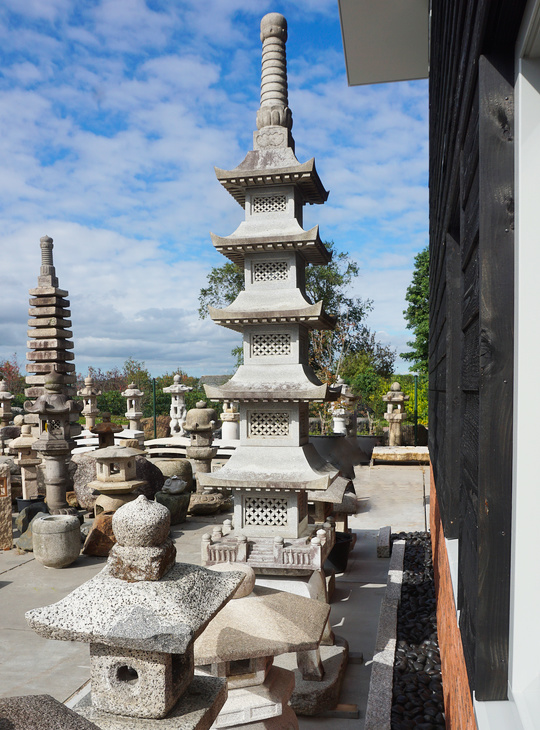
(197, 709)
(379, 704)
(40, 712)
(383, 542)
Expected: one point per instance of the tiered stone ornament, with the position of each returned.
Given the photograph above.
(116, 477)
(55, 411)
(395, 399)
(89, 394)
(178, 405)
(49, 343)
(5, 404)
(201, 422)
(27, 459)
(141, 615)
(274, 469)
(134, 406)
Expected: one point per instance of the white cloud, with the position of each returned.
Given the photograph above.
(111, 120)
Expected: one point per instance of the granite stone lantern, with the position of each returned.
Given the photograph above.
(89, 394)
(240, 644)
(27, 459)
(5, 404)
(55, 411)
(275, 469)
(201, 422)
(134, 406)
(178, 405)
(230, 429)
(395, 413)
(141, 615)
(344, 419)
(105, 431)
(116, 477)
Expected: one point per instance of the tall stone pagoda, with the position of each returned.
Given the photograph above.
(274, 468)
(50, 349)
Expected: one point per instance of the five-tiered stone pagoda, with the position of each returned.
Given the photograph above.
(275, 468)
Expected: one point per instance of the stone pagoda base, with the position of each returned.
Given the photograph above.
(247, 705)
(271, 555)
(197, 709)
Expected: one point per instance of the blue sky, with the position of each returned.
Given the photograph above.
(113, 114)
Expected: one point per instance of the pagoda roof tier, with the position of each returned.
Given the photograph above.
(264, 306)
(267, 168)
(294, 382)
(273, 467)
(243, 241)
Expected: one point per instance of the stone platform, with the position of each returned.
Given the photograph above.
(401, 454)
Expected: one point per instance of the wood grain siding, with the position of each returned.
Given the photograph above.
(496, 246)
(471, 314)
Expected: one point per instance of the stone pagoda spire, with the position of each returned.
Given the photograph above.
(49, 343)
(275, 384)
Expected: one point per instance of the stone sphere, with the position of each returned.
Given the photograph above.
(247, 585)
(141, 523)
(395, 387)
(273, 25)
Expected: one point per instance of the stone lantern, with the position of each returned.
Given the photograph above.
(230, 430)
(105, 431)
(141, 615)
(178, 405)
(116, 477)
(27, 459)
(201, 422)
(89, 394)
(54, 444)
(344, 411)
(134, 406)
(5, 404)
(395, 414)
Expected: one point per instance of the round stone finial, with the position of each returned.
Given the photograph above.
(54, 382)
(3, 386)
(200, 404)
(141, 523)
(26, 429)
(395, 387)
(177, 379)
(89, 381)
(273, 25)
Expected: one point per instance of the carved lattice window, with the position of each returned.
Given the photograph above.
(270, 271)
(267, 511)
(269, 204)
(269, 423)
(270, 344)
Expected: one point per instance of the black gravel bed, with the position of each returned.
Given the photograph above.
(417, 700)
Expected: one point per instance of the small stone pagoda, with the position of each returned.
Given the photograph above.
(275, 468)
(178, 411)
(134, 406)
(395, 413)
(116, 477)
(141, 615)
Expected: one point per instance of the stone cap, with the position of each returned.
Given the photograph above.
(164, 615)
(111, 453)
(264, 623)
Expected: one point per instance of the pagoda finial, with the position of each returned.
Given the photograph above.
(274, 109)
(47, 273)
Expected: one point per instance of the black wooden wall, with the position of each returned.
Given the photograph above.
(471, 322)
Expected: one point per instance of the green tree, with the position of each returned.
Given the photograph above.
(329, 283)
(417, 314)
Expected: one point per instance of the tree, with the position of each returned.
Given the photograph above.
(10, 371)
(328, 283)
(417, 314)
